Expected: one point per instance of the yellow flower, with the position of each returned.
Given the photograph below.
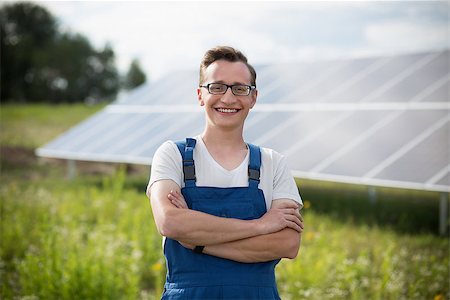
(306, 204)
(439, 297)
(309, 235)
(157, 267)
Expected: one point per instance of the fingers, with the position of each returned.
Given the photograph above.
(293, 219)
(173, 200)
(292, 211)
(177, 203)
(295, 226)
(175, 195)
(177, 199)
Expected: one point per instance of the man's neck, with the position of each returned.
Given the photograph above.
(231, 139)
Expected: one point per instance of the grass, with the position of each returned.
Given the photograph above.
(94, 237)
(32, 125)
(342, 261)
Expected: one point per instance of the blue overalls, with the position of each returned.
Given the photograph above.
(200, 276)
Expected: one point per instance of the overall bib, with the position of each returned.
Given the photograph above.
(200, 276)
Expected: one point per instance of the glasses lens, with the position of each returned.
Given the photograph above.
(217, 88)
(241, 90)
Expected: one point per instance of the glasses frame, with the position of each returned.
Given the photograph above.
(250, 88)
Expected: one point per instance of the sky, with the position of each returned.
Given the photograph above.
(169, 36)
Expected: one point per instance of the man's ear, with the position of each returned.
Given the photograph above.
(254, 95)
(199, 97)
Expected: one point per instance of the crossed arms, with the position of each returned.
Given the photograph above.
(277, 234)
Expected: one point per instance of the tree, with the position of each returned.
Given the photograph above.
(103, 76)
(40, 63)
(135, 76)
(27, 31)
(80, 73)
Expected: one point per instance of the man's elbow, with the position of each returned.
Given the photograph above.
(292, 251)
(293, 247)
(168, 226)
(165, 229)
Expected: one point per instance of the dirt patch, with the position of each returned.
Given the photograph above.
(17, 156)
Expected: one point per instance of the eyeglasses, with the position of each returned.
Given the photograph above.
(236, 89)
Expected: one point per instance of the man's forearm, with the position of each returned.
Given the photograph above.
(197, 228)
(281, 244)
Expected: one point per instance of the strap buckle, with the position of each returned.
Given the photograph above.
(253, 174)
(189, 169)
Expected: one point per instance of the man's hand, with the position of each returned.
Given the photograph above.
(177, 199)
(284, 215)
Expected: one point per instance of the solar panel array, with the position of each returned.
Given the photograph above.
(376, 121)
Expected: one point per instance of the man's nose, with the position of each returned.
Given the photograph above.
(228, 97)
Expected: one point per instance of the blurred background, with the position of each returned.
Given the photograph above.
(88, 91)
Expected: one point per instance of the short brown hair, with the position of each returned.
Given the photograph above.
(225, 53)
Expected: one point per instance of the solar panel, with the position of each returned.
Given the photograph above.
(376, 121)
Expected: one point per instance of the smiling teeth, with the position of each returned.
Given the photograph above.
(227, 110)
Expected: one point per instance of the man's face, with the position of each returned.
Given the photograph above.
(226, 111)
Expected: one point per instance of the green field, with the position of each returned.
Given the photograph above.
(94, 237)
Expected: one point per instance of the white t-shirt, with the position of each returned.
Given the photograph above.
(276, 180)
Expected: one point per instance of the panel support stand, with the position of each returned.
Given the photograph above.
(443, 214)
(372, 194)
(71, 169)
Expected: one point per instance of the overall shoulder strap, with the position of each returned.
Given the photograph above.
(186, 149)
(254, 165)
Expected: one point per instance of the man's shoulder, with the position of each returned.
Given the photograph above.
(270, 158)
(168, 148)
(169, 144)
(271, 154)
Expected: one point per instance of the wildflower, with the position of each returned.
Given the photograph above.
(439, 297)
(157, 267)
(309, 235)
(306, 204)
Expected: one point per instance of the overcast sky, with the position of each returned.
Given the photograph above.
(167, 36)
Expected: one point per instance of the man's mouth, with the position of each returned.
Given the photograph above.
(227, 110)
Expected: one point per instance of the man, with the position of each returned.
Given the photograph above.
(229, 211)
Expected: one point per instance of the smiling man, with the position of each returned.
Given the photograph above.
(228, 210)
